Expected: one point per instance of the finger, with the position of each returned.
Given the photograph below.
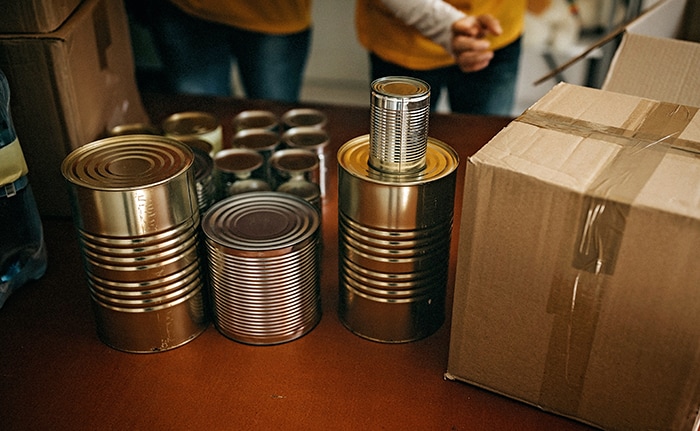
(489, 24)
(471, 62)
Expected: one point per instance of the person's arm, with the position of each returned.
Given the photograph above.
(432, 18)
(460, 34)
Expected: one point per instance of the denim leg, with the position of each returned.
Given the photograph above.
(271, 66)
(490, 91)
(195, 54)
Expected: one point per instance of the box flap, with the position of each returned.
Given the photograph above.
(664, 19)
(670, 69)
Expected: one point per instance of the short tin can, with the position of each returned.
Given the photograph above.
(240, 170)
(195, 125)
(304, 117)
(315, 140)
(255, 119)
(136, 212)
(292, 173)
(263, 267)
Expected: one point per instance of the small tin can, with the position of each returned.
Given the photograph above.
(255, 119)
(136, 212)
(240, 170)
(315, 140)
(263, 267)
(264, 142)
(195, 124)
(292, 170)
(304, 117)
(134, 129)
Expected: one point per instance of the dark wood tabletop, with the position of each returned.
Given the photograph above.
(55, 374)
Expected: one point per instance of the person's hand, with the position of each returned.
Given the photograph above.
(471, 50)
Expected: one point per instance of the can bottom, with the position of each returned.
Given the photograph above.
(151, 331)
(390, 321)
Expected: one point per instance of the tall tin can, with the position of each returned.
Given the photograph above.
(136, 211)
(395, 206)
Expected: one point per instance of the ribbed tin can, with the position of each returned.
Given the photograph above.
(204, 179)
(395, 211)
(195, 125)
(263, 267)
(136, 211)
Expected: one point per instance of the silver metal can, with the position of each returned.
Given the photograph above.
(195, 125)
(255, 119)
(136, 212)
(304, 117)
(396, 191)
(315, 140)
(263, 267)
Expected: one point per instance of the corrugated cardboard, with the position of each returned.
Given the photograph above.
(578, 283)
(34, 16)
(68, 88)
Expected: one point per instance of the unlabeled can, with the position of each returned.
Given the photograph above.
(315, 140)
(263, 267)
(304, 117)
(137, 215)
(395, 208)
(255, 119)
(394, 235)
(195, 125)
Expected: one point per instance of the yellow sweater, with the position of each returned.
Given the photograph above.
(389, 38)
(268, 16)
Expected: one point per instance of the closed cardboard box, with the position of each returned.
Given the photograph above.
(68, 88)
(578, 276)
(578, 279)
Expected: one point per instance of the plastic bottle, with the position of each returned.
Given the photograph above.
(22, 247)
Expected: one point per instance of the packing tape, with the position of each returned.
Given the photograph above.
(579, 287)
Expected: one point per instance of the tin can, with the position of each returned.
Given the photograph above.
(135, 208)
(255, 119)
(304, 117)
(315, 140)
(263, 267)
(204, 179)
(264, 142)
(195, 125)
(134, 129)
(292, 170)
(240, 170)
(396, 191)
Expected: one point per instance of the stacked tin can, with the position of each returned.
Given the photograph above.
(263, 266)
(395, 207)
(137, 215)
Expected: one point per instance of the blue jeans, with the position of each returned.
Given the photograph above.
(490, 91)
(197, 56)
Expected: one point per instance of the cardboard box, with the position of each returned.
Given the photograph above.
(578, 284)
(578, 279)
(34, 16)
(68, 87)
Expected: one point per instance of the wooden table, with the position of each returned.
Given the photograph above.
(56, 375)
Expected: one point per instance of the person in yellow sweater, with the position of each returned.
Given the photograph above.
(470, 47)
(199, 40)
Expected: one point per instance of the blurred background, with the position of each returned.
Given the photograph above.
(338, 70)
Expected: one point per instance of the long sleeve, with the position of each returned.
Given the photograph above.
(432, 18)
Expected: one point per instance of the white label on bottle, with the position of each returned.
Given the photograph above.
(12, 163)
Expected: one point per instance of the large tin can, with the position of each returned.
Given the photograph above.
(395, 208)
(136, 210)
(263, 267)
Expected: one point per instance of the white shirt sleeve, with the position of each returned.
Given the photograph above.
(432, 18)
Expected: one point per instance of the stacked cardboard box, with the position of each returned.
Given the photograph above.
(578, 276)
(69, 86)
